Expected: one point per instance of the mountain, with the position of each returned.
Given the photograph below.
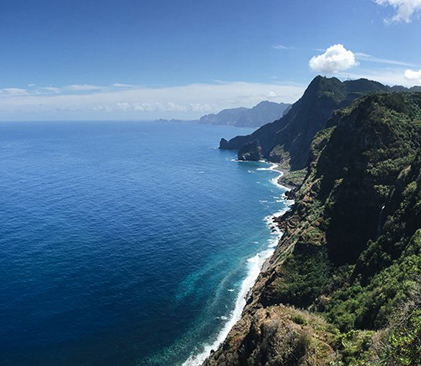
(262, 113)
(344, 284)
(288, 139)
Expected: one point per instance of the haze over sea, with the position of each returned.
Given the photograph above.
(124, 243)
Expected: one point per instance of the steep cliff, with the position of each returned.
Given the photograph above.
(288, 139)
(343, 287)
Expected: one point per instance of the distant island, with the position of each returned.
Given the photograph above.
(259, 115)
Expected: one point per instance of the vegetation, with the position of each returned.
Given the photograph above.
(287, 140)
(351, 252)
(294, 178)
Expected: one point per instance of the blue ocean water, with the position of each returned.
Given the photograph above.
(123, 243)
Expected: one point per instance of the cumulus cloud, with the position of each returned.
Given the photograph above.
(123, 106)
(335, 59)
(405, 9)
(413, 76)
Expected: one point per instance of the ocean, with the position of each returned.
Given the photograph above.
(126, 243)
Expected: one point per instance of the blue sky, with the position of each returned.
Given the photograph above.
(149, 59)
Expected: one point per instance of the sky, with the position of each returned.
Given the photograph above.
(149, 59)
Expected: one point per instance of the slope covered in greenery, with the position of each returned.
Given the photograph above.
(288, 139)
(350, 258)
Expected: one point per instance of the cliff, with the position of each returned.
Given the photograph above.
(343, 287)
(287, 140)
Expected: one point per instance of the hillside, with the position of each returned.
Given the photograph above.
(343, 287)
(288, 139)
(260, 114)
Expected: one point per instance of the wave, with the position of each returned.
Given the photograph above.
(255, 265)
(274, 168)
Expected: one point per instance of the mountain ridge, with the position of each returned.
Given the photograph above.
(287, 140)
(343, 287)
(256, 116)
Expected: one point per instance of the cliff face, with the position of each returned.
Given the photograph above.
(288, 139)
(350, 257)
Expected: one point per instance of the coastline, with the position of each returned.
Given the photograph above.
(258, 264)
(280, 181)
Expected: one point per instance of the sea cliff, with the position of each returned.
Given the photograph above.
(342, 287)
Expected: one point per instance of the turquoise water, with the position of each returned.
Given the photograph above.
(124, 243)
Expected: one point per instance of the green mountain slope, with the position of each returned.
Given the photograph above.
(343, 287)
(288, 140)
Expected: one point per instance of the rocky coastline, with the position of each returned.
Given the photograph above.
(343, 283)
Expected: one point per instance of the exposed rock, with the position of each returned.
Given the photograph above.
(251, 151)
(223, 144)
(278, 336)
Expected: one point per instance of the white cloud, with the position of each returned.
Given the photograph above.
(365, 57)
(413, 76)
(123, 106)
(281, 47)
(202, 108)
(387, 76)
(335, 59)
(154, 107)
(13, 91)
(166, 107)
(83, 87)
(405, 9)
(120, 85)
(49, 89)
(138, 102)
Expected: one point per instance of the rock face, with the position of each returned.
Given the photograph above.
(350, 257)
(277, 336)
(262, 113)
(251, 151)
(223, 144)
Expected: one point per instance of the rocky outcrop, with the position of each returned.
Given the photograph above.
(279, 336)
(251, 151)
(223, 144)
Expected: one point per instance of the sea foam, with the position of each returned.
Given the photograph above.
(255, 265)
